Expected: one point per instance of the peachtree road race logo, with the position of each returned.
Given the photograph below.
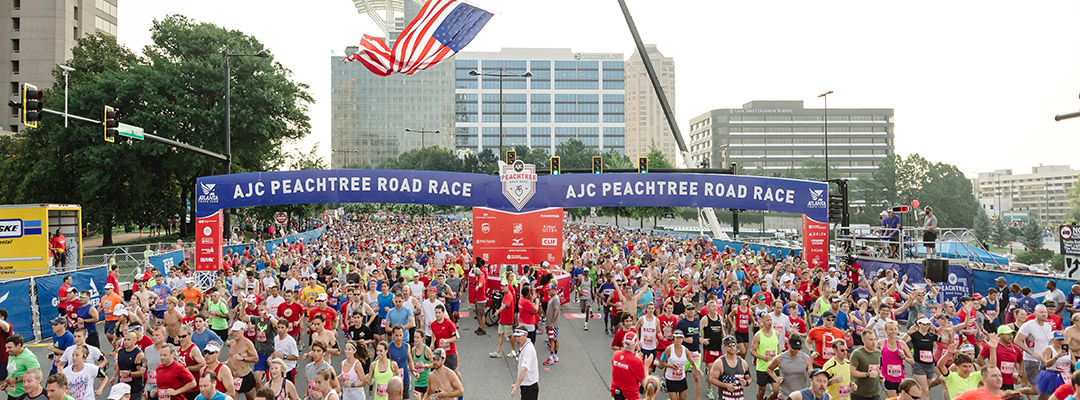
(208, 195)
(518, 183)
(817, 199)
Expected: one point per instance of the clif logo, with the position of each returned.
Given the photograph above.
(549, 242)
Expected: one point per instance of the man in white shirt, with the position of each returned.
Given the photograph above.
(781, 323)
(292, 283)
(1039, 332)
(285, 347)
(528, 376)
(274, 299)
(427, 309)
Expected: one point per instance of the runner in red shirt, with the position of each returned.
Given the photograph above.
(173, 379)
(628, 369)
(822, 336)
(445, 336)
(1007, 356)
(668, 320)
(478, 296)
(506, 319)
(291, 311)
(326, 311)
(740, 318)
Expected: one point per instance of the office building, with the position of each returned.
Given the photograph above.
(40, 35)
(371, 113)
(569, 96)
(646, 126)
(780, 135)
(1039, 196)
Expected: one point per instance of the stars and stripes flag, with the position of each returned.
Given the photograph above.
(440, 30)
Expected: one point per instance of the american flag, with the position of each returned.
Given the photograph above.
(440, 30)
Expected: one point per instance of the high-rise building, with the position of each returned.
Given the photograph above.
(569, 96)
(646, 125)
(40, 36)
(371, 113)
(1042, 193)
(780, 135)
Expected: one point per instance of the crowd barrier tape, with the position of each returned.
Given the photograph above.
(20, 309)
(90, 279)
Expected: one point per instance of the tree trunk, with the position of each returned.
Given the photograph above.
(191, 226)
(654, 222)
(107, 227)
(182, 223)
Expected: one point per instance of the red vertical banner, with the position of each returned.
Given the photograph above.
(518, 238)
(208, 243)
(815, 241)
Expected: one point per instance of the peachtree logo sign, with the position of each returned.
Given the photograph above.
(817, 199)
(208, 195)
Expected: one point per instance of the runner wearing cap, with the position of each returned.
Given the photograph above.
(628, 369)
(109, 303)
(192, 293)
(119, 391)
(223, 377)
(242, 359)
(528, 370)
(922, 341)
(822, 336)
(506, 319)
(62, 339)
(730, 372)
(1058, 365)
(819, 380)
(676, 361)
(790, 369)
(442, 382)
(1006, 356)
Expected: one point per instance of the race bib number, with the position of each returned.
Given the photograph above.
(125, 379)
(260, 336)
(444, 345)
(163, 396)
(844, 391)
(828, 352)
(991, 314)
(380, 390)
(151, 376)
(858, 330)
(311, 386)
(1008, 368)
(250, 332)
(895, 371)
(874, 369)
(744, 322)
(770, 354)
(385, 323)
(926, 356)
(677, 374)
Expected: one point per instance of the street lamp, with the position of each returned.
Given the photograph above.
(422, 132)
(66, 69)
(501, 75)
(825, 131)
(228, 130)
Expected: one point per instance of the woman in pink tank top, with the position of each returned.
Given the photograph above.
(893, 355)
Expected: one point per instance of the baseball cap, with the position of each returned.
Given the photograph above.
(119, 390)
(438, 354)
(967, 347)
(795, 342)
(924, 320)
(238, 326)
(977, 296)
(251, 298)
(1005, 330)
(1058, 335)
(817, 371)
(630, 338)
(834, 299)
(828, 314)
(212, 347)
(322, 297)
(109, 286)
(58, 320)
(134, 327)
(730, 340)
(520, 332)
(72, 289)
(119, 312)
(678, 333)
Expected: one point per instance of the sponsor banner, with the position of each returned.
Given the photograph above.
(208, 241)
(523, 239)
(24, 242)
(960, 283)
(562, 284)
(780, 252)
(1069, 237)
(91, 279)
(18, 306)
(815, 241)
(479, 190)
(165, 262)
(272, 244)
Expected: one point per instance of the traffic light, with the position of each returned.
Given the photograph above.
(555, 168)
(643, 165)
(597, 164)
(111, 124)
(31, 103)
(836, 208)
(511, 156)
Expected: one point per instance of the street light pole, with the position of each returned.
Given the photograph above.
(227, 229)
(422, 146)
(825, 132)
(502, 74)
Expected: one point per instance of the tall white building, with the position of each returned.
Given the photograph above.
(569, 96)
(1041, 193)
(646, 125)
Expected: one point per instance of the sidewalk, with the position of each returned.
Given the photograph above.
(118, 238)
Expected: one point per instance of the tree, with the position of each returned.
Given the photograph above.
(812, 169)
(1073, 214)
(1032, 236)
(981, 226)
(298, 161)
(1000, 237)
(900, 180)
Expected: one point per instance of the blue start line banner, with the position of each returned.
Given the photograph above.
(513, 192)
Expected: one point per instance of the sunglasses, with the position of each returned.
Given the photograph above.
(912, 397)
(181, 336)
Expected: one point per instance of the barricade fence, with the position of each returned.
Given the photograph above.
(35, 301)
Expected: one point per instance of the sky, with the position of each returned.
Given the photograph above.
(973, 83)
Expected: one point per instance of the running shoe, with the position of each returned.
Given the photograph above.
(549, 361)
(585, 326)
(493, 355)
(511, 354)
(556, 356)
(710, 395)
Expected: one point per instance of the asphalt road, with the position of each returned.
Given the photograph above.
(583, 372)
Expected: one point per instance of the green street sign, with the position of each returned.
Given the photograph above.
(130, 131)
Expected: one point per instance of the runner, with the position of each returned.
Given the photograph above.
(173, 379)
(819, 380)
(528, 376)
(478, 295)
(317, 366)
(791, 369)
(506, 320)
(80, 376)
(442, 382)
(285, 349)
(764, 347)
(381, 371)
(676, 361)
(731, 374)
(893, 356)
(866, 369)
(222, 374)
(242, 359)
(130, 365)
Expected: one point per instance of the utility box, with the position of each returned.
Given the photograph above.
(26, 234)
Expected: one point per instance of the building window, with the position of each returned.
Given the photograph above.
(15, 24)
(76, 13)
(14, 45)
(14, 88)
(107, 7)
(75, 33)
(105, 26)
(15, 5)
(14, 67)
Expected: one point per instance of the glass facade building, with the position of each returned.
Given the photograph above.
(569, 96)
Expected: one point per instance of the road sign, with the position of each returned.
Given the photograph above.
(130, 131)
(1070, 248)
(281, 217)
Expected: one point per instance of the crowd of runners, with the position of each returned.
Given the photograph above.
(683, 317)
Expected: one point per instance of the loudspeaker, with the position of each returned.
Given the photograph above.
(936, 270)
